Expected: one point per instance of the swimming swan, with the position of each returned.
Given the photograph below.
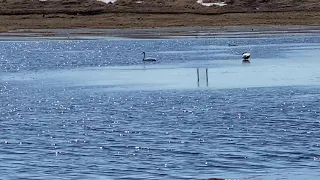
(148, 59)
(245, 55)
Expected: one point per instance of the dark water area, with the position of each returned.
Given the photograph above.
(91, 109)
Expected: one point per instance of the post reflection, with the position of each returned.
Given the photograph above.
(202, 77)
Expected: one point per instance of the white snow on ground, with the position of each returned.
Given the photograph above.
(211, 4)
(108, 1)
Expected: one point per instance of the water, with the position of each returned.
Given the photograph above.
(90, 109)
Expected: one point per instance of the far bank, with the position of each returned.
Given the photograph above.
(145, 20)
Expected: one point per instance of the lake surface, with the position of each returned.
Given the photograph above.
(91, 109)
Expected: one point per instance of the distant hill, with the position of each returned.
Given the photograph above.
(157, 6)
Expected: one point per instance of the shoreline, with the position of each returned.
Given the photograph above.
(147, 21)
(155, 33)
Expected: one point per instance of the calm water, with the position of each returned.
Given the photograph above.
(90, 109)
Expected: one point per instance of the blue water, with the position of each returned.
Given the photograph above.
(90, 109)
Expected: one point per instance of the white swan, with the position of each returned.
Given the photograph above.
(245, 55)
(147, 59)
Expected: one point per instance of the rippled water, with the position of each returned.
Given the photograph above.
(90, 109)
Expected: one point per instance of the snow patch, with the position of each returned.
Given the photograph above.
(211, 4)
(108, 1)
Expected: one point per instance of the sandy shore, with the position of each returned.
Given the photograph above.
(137, 21)
(154, 33)
(156, 25)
